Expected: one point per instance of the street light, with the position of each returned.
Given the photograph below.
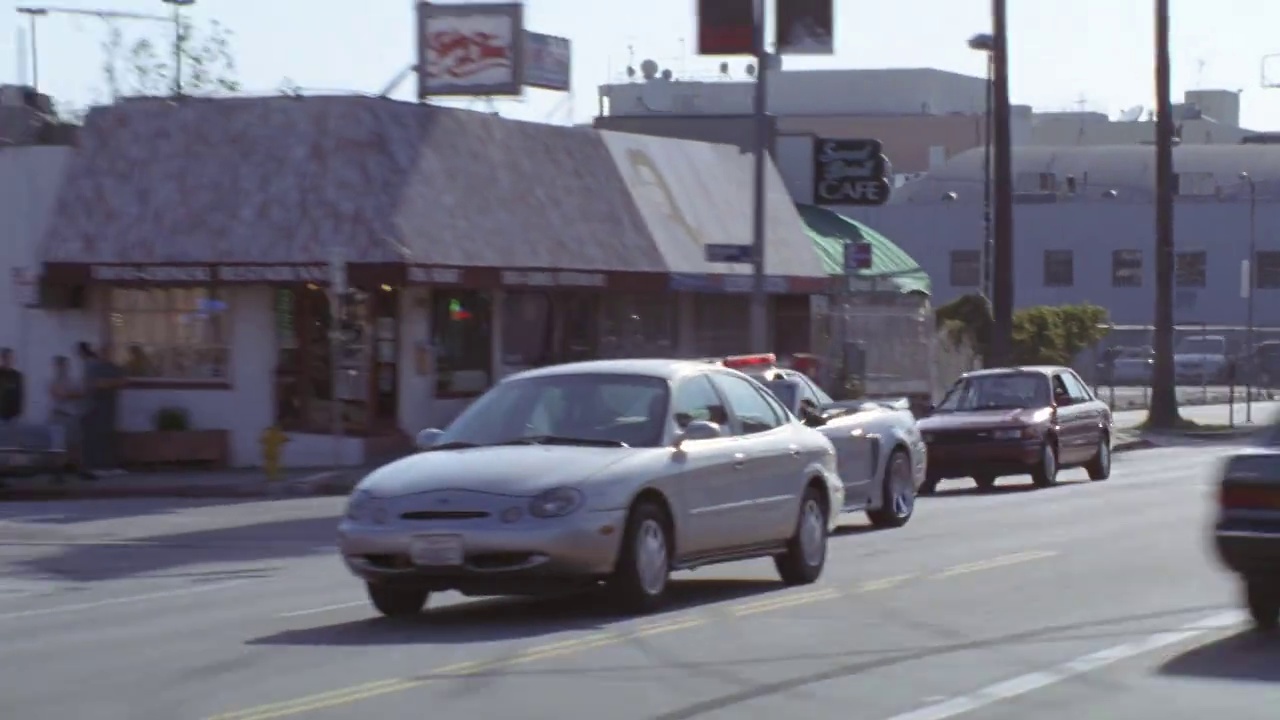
(1249, 282)
(33, 13)
(985, 43)
(177, 41)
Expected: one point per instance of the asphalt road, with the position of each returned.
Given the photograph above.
(1085, 601)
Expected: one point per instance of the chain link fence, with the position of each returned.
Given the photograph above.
(1213, 364)
(885, 344)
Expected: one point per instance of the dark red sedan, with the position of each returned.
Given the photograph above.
(1017, 421)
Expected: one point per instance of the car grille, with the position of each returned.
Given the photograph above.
(445, 515)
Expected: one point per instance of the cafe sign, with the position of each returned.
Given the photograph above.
(850, 172)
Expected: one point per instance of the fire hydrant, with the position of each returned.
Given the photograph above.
(273, 441)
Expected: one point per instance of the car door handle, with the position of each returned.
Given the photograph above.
(739, 459)
(794, 450)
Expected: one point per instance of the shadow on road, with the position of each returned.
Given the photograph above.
(1002, 487)
(1248, 656)
(62, 511)
(166, 553)
(499, 619)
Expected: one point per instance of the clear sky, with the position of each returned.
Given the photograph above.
(1092, 54)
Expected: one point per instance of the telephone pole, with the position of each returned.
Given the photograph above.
(1002, 244)
(1164, 396)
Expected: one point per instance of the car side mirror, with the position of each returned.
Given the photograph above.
(698, 430)
(812, 417)
(428, 438)
(1063, 400)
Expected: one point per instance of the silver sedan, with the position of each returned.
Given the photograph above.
(614, 472)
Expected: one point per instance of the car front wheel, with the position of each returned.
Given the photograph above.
(899, 499)
(396, 600)
(806, 553)
(1263, 598)
(1045, 473)
(640, 579)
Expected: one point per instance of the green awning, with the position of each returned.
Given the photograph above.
(829, 232)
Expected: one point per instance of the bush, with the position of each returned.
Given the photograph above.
(1042, 335)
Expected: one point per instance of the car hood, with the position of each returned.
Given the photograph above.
(517, 470)
(1199, 357)
(977, 419)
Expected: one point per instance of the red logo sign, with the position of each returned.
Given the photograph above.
(461, 55)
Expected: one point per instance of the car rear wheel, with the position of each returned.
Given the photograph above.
(984, 482)
(1045, 473)
(806, 553)
(397, 600)
(640, 580)
(1263, 598)
(899, 493)
(1099, 468)
(930, 485)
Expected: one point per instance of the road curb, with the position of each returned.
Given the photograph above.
(325, 483)
(1134, 444)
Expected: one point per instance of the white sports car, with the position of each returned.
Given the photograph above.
(882, 457)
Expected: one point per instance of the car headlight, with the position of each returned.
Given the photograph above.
(1007, 434)
(363, 507)
(556, 502)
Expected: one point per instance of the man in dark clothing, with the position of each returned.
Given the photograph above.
(102, 381)
(11, 397)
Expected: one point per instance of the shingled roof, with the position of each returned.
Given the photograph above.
(283, 180)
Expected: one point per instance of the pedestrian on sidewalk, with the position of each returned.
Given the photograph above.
(102, 382)
(66, 400)
(11, 387)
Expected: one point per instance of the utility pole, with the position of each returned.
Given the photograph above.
(759, 301)
(1164, 395)
(179, 40)
(1002, 245)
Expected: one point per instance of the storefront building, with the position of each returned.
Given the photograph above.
(199, 236)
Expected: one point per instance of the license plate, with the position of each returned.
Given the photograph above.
(436, 550)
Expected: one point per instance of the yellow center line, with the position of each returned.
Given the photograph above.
(354, 694)
(996, 562)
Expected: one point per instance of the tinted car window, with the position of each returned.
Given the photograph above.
(629, 409)
(696, 399)
(748, 403)
(1003, 391)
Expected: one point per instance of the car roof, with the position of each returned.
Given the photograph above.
(1041, 369)
(666, 369)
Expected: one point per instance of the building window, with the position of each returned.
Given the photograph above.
(169, 333)
(1267, 274)
(546, 328)
(638, 325)
(462, 341)
(1189, 269)
(1126, 268)
(720, 324)
(1059, 268)
(1194, 184)
(966, 268)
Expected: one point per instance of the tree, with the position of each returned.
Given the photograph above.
(148, 68)
(1042, 335)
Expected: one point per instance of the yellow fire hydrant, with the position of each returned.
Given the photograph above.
(273, 441)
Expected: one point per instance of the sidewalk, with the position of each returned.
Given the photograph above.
(237, 483)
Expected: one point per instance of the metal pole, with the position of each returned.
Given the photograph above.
(177, 49)
(759, 314)
(987, 254)
(1002, 283)
(1164, 398)
(1248, 331)
(35, 55)
(337, 285)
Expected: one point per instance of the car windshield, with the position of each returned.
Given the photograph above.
(583, 409)
(1202, 346)
(785, 391)
(1005, 391)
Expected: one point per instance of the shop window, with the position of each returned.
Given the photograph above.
(1189, 269)
(527, 332)
(637, 325)
(1059, 268)
(966, 268)
(179, 334)
(722, 325)
(1126, 268)
(1267, 274)
(462, 341)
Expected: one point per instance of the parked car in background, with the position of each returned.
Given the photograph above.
(881, 455)
(1201, 359)
(1017, 421)
(1127, 365)
(1247, 532)
(612, 472)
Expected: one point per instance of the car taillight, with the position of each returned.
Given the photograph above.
(1249, 497)
(738, 362)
